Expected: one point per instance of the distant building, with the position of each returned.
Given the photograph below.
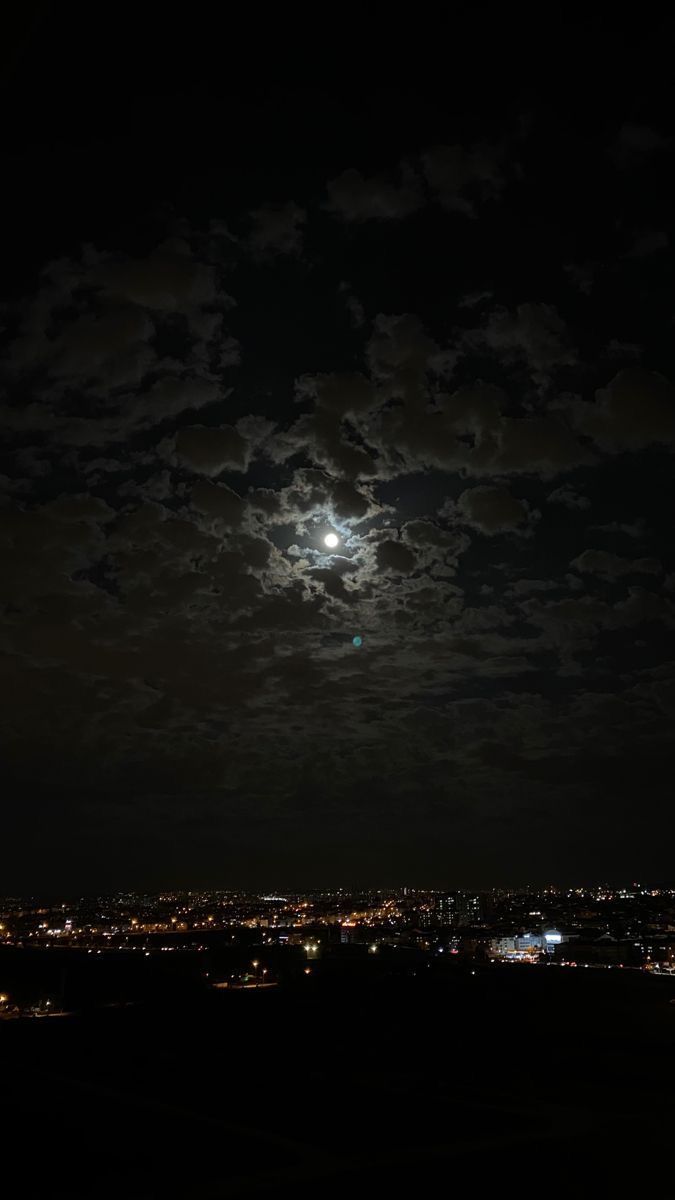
(468, 908)
(602, 951)
(526, 946)
(530, 943)
(426, 917)
(458, 909)
(446, 910)
(553, 938)
(502, 946)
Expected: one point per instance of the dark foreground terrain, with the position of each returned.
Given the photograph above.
(525, 1081)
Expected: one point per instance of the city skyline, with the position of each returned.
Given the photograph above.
(218, 936)
(272, 889)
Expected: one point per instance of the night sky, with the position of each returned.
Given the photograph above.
(255, 293)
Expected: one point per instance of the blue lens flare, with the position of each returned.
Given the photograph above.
(357, 641)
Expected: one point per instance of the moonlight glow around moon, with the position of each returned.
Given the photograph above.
(331, 540)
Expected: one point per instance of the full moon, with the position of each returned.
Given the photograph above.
(331, 540)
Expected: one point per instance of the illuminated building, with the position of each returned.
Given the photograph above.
(553, 938)
(468, 908)
(446, 910)
(458, 908)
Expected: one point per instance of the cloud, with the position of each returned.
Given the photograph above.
(633, 529)
(277, 229)
(345, 395)
(86, 358)
(395, 557)
(48, 550)
(535, 333)
(641, 606)
(569, 498)
(525, 587)
(635, 142)
(570, 618)
(316, 496)
(162, 402)
(636, 410)
(219, 502)
(647, 242)
(169, 279)
(582, 275)
(354, 198)
(209, 451)
(354, 306)
(399, 421)
(460, 179)
(573, 623)
(333, 584)
(399, 351)
(425, 534)
(322, 433)
(114, 340)
(612, 566)
(489, 510)
(83, 507)
(415, 425)
(531, 445)
(158, 486)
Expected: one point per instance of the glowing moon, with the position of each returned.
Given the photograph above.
(331, 540)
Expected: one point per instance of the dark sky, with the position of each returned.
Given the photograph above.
(413, 285)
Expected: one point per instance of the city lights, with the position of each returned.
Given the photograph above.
(446, 931)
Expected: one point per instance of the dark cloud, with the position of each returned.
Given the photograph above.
(216, 500)
(490, 510)
(210, 451)
(354, 306)
(167, 279)
(394, 556)
(277, 229)
(535, 333)
(460, 178)
(355, 198)
(87, 346)
(634, 529)
(634, 143)
(569, 498)
(636, 410)
(649, 241)
(612, 566)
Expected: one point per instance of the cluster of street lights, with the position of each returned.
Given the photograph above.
(260, 973)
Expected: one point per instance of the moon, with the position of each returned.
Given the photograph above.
(331, 540)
